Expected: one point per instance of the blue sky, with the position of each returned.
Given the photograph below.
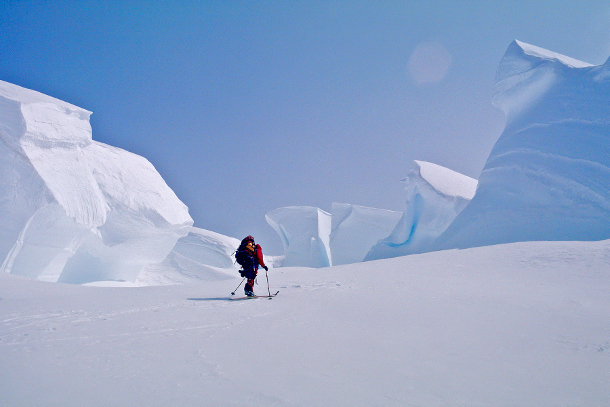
(244, 107)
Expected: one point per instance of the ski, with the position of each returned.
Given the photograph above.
(253, 297)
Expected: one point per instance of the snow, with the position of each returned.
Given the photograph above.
(305, 234)
(356, 229)
(523, 324)
(518, 317)
(435, 195)
(76, 210)
(542, 53)
(548, 176)
(315, 238)
(445, 181)
(202, 255)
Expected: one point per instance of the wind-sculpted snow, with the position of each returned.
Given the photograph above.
(548, 176)
(435, 195)
(75, 210)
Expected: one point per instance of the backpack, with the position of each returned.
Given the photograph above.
(243, 258)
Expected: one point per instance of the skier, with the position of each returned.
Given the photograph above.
(250, 256)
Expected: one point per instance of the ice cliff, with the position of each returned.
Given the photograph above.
(75, 210)
(548, 175)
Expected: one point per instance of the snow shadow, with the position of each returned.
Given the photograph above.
(210, 299)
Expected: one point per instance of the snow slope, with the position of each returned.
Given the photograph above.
(548, 176)
(523, 324)
(201, 255)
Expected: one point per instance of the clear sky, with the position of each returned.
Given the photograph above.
(247, 106)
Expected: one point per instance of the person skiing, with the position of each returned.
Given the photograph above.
(250, 256)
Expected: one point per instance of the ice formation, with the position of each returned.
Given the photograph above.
(75, 210)
(435, 196)
(548, 176)
(356, 229)
(352, 233)
(305, 234)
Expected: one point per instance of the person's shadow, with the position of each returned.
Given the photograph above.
(210, 299)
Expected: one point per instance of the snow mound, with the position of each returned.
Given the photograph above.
(76, 210)
(548, 176)
(435, 196)
(201, 255)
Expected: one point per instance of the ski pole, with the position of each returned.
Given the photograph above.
(268, 290)
(233, 293)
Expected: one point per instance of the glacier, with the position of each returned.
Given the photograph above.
(353, 233)
(80, 211)
(76, 210)
(548, 175)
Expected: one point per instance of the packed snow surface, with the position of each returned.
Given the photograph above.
(75, 210)
(548, 176)
(523, 324)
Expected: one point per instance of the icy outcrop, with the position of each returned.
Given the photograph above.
(305, 234)
(548, 176)
(75, 210)
(356, 229)
(435, 196)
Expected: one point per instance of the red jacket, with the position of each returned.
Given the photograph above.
(258, 255)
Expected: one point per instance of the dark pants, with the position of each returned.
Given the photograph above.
(250, 274)
(249, 286)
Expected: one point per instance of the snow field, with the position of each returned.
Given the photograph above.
(522, 324)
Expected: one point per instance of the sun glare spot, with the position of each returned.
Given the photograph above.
(429, 63)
